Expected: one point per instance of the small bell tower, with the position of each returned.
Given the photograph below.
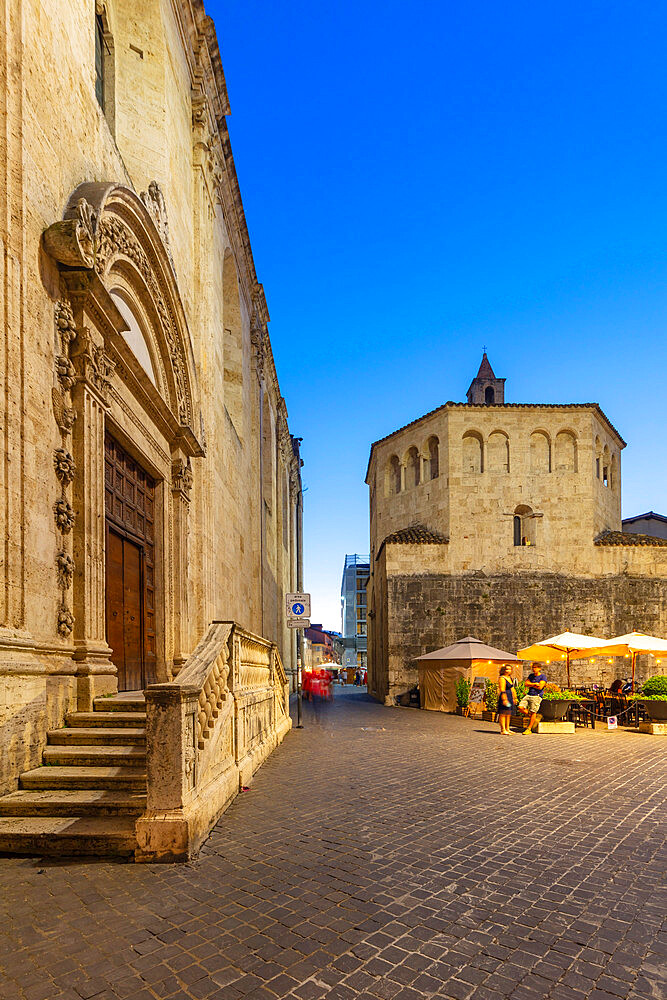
(485, 389)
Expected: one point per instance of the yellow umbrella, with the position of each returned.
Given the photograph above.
(630, 645)
(574, 645)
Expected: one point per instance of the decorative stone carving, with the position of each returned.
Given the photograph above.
(65, 372)
(65, 324)
(65, 622)
(64, 515)
(154, 201)
(91, 363)
(115, 238)
(72, 241)
(181, 477)
(189, 751)
(64, 465)
(65, 415)
(65, 565)
(258, 353)
(199, 111)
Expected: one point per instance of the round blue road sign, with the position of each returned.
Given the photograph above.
(298, 609)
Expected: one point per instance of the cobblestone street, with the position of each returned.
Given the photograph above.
(380, 853)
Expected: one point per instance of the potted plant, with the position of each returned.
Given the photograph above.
(654, 698)
(517, 720)
(555, 702)
(490, 701)
(462, 696)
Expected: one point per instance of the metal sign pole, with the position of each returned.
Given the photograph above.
(299, 641)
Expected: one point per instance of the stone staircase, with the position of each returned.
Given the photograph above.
(91, 787)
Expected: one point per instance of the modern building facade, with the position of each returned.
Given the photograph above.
(354, 611)
(503, 521)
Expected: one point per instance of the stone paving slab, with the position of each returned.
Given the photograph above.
(384, 854)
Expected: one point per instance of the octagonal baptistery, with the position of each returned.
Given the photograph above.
(487, 518)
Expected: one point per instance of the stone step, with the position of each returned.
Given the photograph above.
(65, 836)
(96, 736)
(136, 703)
(92, 756)
(99, 778)
(73, 802)
(114, 720)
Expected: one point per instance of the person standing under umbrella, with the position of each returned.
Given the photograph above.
(505, 698)
(530, 703)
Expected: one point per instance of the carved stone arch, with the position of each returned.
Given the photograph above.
(498, 451)
(128, 235)
(105, 402)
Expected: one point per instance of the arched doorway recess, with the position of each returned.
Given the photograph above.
(125, 371)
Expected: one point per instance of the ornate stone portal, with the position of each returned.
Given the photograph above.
(110, 238)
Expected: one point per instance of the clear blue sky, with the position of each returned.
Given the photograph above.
(421, 179)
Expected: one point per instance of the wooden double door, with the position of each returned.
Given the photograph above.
(130, 567)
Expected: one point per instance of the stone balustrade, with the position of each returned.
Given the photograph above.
(207, 732)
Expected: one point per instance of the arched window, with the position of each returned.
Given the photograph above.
(433, 450)
(489, 395)
(606, 466)
(524, 525)
(412, 468)
(473, 455)
(104, 66)
(392, 477)
(598, 458)
(498, 452)
(134, 335)
(566, 452)
(233, 343)
(540, 452)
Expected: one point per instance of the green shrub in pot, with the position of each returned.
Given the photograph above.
(655, 688)
(491, 696)
(462, 692)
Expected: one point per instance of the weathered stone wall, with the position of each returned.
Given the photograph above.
(493, 460)
(225, 544)
(510, 611)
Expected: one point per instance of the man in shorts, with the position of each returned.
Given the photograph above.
(530, 703)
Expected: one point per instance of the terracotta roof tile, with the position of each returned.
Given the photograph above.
(628, 538)
(418, 534)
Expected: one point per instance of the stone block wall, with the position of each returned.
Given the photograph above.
(424, 612)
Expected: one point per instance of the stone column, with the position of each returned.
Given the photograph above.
(181, 489)
(96, 674)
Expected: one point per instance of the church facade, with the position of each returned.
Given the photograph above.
(150, 483)
(503, 521)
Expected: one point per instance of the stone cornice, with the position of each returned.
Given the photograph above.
(202, 52)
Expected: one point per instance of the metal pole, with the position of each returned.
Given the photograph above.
(299, 724)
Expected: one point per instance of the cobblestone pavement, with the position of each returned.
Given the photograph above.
(386, 854)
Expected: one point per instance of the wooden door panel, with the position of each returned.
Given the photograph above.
(130, 503)
(114, 603)
(132, 630)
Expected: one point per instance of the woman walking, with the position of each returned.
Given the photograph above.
(505, 699)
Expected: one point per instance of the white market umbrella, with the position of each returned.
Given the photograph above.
(573, 644)
(630, 645)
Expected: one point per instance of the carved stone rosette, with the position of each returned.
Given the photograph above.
(65, 415)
